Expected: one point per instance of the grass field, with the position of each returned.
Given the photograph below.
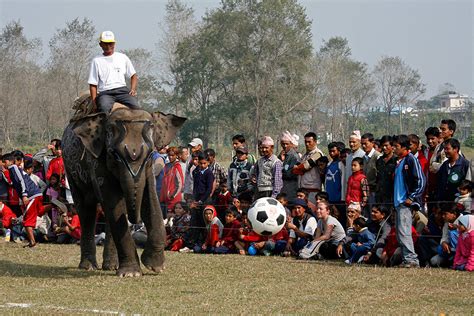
(44, 280)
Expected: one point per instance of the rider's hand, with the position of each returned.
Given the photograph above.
(133, 93)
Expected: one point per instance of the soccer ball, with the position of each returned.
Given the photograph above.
(267, 216)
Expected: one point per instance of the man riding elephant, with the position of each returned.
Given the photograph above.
(107, 77)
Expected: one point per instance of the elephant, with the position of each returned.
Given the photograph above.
(107, 158)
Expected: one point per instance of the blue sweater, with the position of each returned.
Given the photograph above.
(409, 181)
(23, 183)
(203, 182)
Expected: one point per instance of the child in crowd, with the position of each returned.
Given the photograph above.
(283, 199)
(37, 180)
(303, 195)
(357, 184)
(10, 222)
(322, 164)
(363, 242)
(224, 200)
(380, 227)
(230, 233)
(173, 181)
(447, 246)
(72, 226)
(214, 229)
(464, 258)
(464, 197)
(178, 232)
(203, 180)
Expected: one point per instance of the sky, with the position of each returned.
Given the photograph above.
(435, 37)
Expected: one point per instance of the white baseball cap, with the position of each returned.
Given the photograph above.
(195, 142)
(107, 37)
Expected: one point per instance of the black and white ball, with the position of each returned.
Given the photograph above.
(267, 216)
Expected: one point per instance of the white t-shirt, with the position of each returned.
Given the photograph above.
(108, 72)
(338, 232)
(310, 228)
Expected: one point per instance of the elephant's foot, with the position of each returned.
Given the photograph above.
(88, 264)
(129, 272)
(154, 261)
(110, 265)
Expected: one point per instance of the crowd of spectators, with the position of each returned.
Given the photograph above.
(391, 200)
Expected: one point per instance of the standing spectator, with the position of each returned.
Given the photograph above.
(189, 177)
(183, 158)
(173, 181)
(418, 153)
(385, 172)
(447, 129)
(370, 167)
(203, 180)
(239, 141)
(307, 171)
(356, 151)
(29, 171)
(4, 182)
(409, 185)
(158, 172)
(290, 157)
(31, 197)
(107, 77)
(238, 179)
(195, 145)
(433, 140)
(268, 170)
(357, 185)
(335, 183)
(219, 172)
(57, 164)
(452, 172)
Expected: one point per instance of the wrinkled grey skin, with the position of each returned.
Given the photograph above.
(107, 160)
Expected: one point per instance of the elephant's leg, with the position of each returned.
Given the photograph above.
(110, 258)
(153, 257)
(87, 214)
(129, 265)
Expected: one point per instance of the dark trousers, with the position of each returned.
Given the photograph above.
(106, 99)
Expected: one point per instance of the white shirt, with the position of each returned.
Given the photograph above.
(108, 72)
(337, 233)
(310, 228)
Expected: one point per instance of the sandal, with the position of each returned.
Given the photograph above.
(30, 245)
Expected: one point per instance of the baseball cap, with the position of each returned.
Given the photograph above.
(195, 142)
(107, 37)
(242, 149)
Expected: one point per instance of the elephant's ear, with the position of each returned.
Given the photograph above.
(91, 131)
(165, 128)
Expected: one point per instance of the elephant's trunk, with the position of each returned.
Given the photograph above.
(133, 189)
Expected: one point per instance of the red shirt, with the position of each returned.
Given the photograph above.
(56, 166)
(7, 216)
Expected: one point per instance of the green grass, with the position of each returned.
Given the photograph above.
(47, 278)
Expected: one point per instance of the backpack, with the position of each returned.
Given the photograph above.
(311, 249)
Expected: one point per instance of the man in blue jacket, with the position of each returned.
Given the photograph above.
(409, 185)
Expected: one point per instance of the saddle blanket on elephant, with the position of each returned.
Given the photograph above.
(83, 107)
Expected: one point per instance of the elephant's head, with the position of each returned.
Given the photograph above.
(128, 137)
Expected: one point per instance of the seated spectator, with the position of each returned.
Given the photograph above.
(283, 199)
(464, 258)
(392, 252)
(303, 195)
(9, 221)
(301, 227)
(248, 238)
(380, 227)
(329, 230)
(71, 228)
(230, 234)
(214, 231)
(447, 246)
(353, 211)
(180, 225)
(429, 240)
(276, 244)
(362, 242)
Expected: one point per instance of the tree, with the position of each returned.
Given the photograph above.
(179, 24)
(17, 67)
(71, 51)
(346, 87)
(265, 49)
(398, 85)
